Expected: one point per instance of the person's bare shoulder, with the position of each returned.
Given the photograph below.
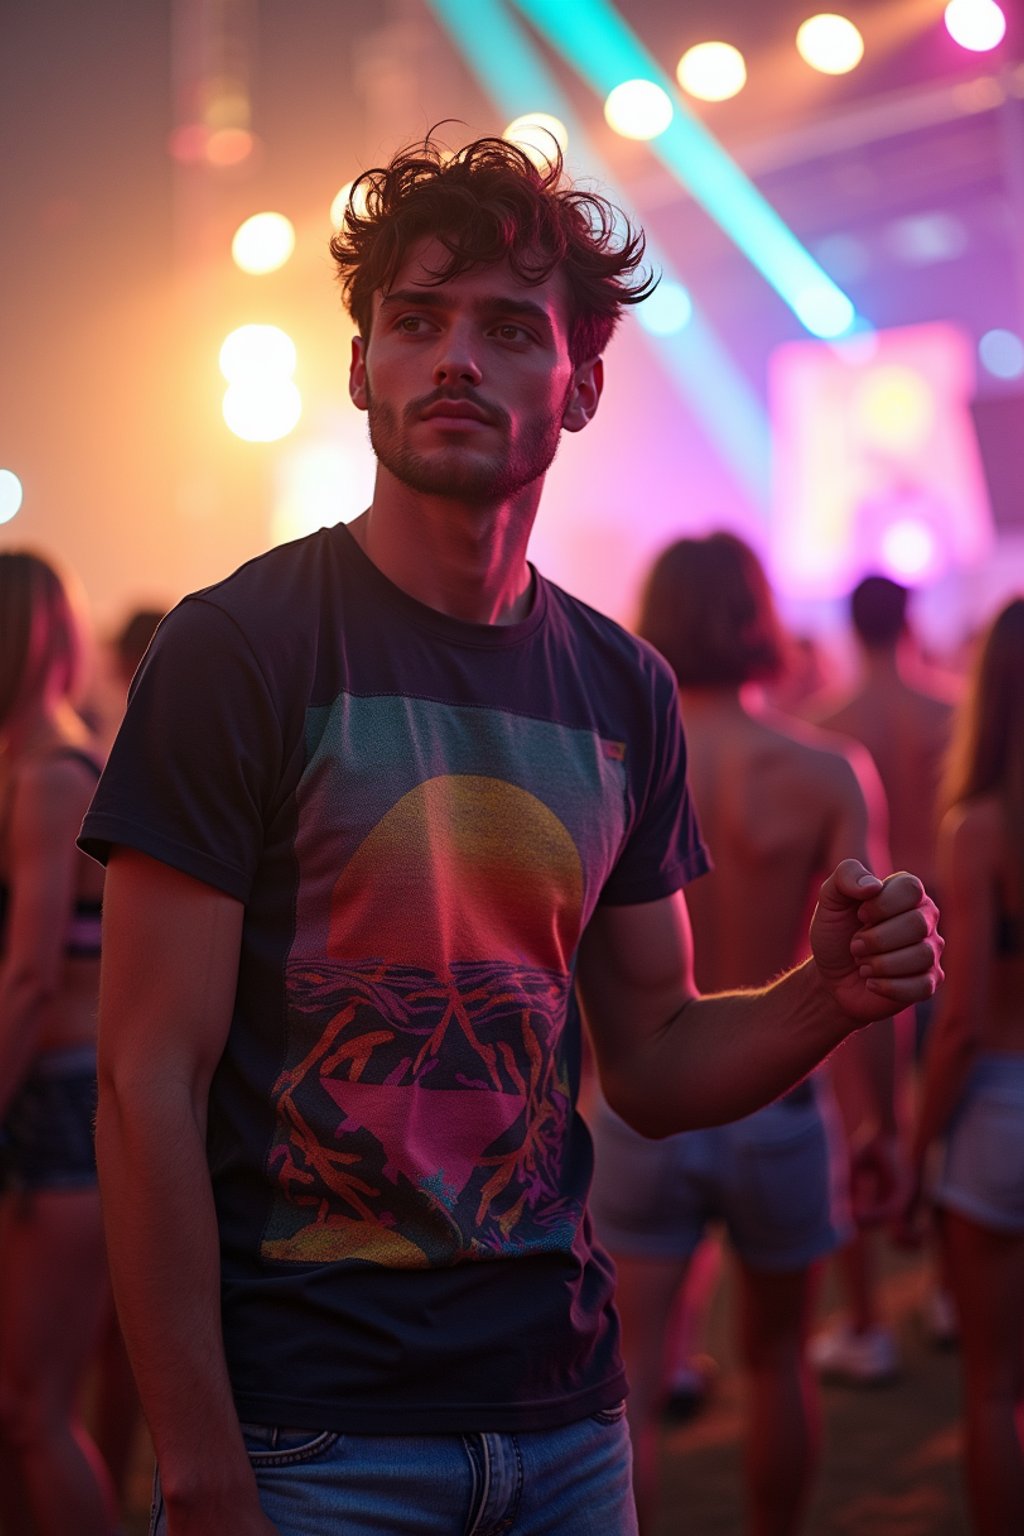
(821, 759)
(843, 713)
(821, 746)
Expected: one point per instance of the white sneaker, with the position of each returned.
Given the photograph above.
(862, 1359)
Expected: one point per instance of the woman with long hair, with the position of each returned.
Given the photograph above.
(972, 1094)
(52, 1267)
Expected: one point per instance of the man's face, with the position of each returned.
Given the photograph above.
(468, 383)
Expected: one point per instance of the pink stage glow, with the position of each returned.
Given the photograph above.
(877, 465)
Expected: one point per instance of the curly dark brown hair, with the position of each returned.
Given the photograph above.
(486, 203)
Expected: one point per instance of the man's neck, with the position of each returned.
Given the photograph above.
(466, 561)
(719, 705)
(881, 665)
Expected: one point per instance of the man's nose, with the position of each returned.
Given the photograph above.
(457, 361)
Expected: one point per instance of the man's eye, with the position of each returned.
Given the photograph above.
(512, 332)
(410, 323)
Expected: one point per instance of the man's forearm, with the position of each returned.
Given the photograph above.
(723, 1056)
(162, 1242)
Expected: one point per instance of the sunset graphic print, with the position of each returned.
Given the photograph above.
(449, 857)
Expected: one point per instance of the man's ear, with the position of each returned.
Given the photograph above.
(587, 384)
(357, 373)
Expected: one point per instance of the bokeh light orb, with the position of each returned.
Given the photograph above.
(11, 495)
(263, 243)
(909, 548)
(977, 25)
(830, 44)
(638, 109)
(263, 351)
(343, 197)
(229, 146)
(668, 310)
(187, 143)
(712, 71)
(262, 410)
(1002, 353)
(895, 408)
(918, 239)
(537, 134)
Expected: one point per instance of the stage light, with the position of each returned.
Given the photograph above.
(598, 43)
(712, 71)
(668, 310)
(342, 200)
(263, 409)
(537, 134)
(229, 146)
(262, 402)
(11, 494)
(638, 109)
(909, 549)
(1002, 354)
(257, 351)
(826, 312)
(977, 25)
(830, 44)
(895, 407)
(263, 243)
(923, 238)
(877, 463)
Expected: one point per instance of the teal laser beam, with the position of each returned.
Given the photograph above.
(513, 73)
(597, 42)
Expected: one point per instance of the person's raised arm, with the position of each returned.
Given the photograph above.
(168, 978)
(670, 1060)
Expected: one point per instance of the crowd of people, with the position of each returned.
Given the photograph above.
(395, 835)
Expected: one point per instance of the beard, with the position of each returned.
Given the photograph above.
(459, 473)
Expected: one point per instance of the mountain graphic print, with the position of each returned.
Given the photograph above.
(421, 1111)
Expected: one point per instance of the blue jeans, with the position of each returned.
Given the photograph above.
(574, 1481)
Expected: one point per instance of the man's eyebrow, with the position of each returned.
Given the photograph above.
(432, 298)
(435, 298)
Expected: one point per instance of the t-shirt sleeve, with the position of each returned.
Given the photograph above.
(663, 850)
(197, 760)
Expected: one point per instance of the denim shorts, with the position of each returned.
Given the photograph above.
(46, 1140)
(982, 1172)
(777, 1179)
(573, 1481)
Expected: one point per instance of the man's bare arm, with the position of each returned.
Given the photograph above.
(169, 973)
(671, 1061)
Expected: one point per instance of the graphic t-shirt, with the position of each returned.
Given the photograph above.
(420, 816)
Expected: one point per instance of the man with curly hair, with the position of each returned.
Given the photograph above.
(382, 801)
